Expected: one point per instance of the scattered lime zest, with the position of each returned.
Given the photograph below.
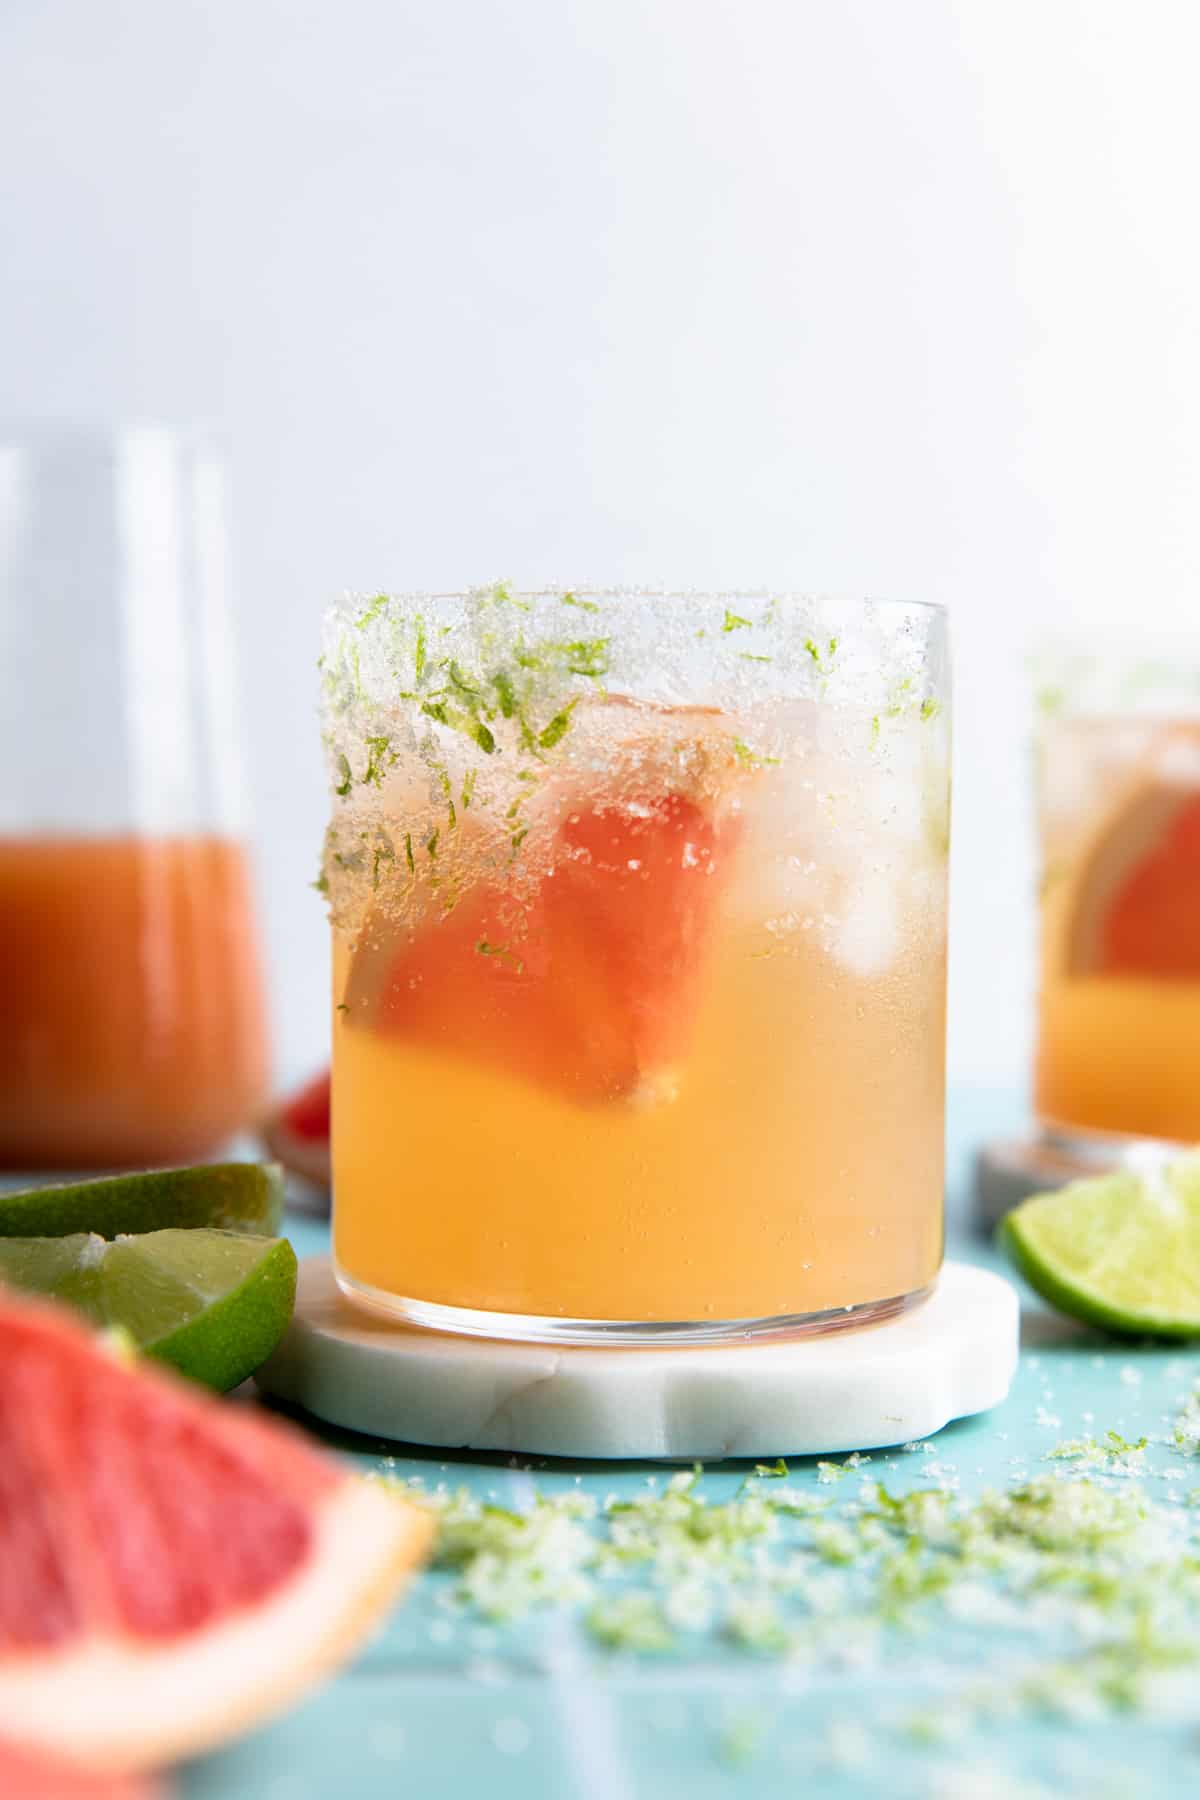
(734, 622)
(741, 1739)
(408, 852)
(1113, 1453)
(371, 611)
(570, 599)
(822, 658)
(346, 775)
(930, 708)
(632, 1621)
(779, 1571)
(589, 656)
(504, 952)
(468, 788)
(899, 697)
(456, 719)
(503, 595)
(383, 855)
(1050, 699)
(558, 727)
(380, 757)
(1185, 1431)
(502, 682)
(752, 759)
(448, 797)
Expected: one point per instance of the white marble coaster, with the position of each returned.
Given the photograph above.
(849, 1390)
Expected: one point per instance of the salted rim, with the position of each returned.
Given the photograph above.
(866, 602)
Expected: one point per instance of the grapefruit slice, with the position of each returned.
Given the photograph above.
(1136, 908)
(171, 1568)
(586, 980)
(25, 1775)
(297, 1133)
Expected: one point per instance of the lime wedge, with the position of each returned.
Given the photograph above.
(233, 1196)
(214, 1304)
(1122, 1250)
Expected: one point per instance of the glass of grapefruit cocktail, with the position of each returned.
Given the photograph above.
(639, 915)
(1119, 809)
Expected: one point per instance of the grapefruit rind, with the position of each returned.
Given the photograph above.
(27, 1774)
(123, 1706)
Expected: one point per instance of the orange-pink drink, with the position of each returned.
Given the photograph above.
(1119, 1015)
(639, 950)
(133, 1016)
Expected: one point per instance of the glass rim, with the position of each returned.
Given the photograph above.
(592, 591)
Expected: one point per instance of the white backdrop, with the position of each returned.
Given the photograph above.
(851, 294)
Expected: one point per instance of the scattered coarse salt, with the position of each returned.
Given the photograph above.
(848, 1744)
(511, 1736)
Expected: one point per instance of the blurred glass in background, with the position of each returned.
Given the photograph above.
(132, 1021)
(1118, 761)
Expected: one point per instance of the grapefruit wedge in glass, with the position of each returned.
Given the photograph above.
(1135, 908)
(581, 972)
(1119, 1037)
(172, 1569)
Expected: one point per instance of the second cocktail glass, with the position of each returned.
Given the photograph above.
(1119, 810)
(639, 912)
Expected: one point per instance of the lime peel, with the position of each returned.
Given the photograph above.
(1121, 1251)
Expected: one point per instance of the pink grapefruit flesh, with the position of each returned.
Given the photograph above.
(589, 985)
(171, 1569)
(29, 1775)
(1153, 923)
(1136, 907)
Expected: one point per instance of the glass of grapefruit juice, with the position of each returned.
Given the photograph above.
(639, 930)
(1119, 814)
(133, 1022)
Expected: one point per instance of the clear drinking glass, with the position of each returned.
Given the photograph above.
(639, 922)
(1118, 761)
(133, 1021)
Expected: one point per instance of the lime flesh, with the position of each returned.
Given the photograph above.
(235, 1196)
(213, 1304)
(1121, 1250)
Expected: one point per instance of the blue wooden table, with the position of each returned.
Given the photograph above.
(446, 1704)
